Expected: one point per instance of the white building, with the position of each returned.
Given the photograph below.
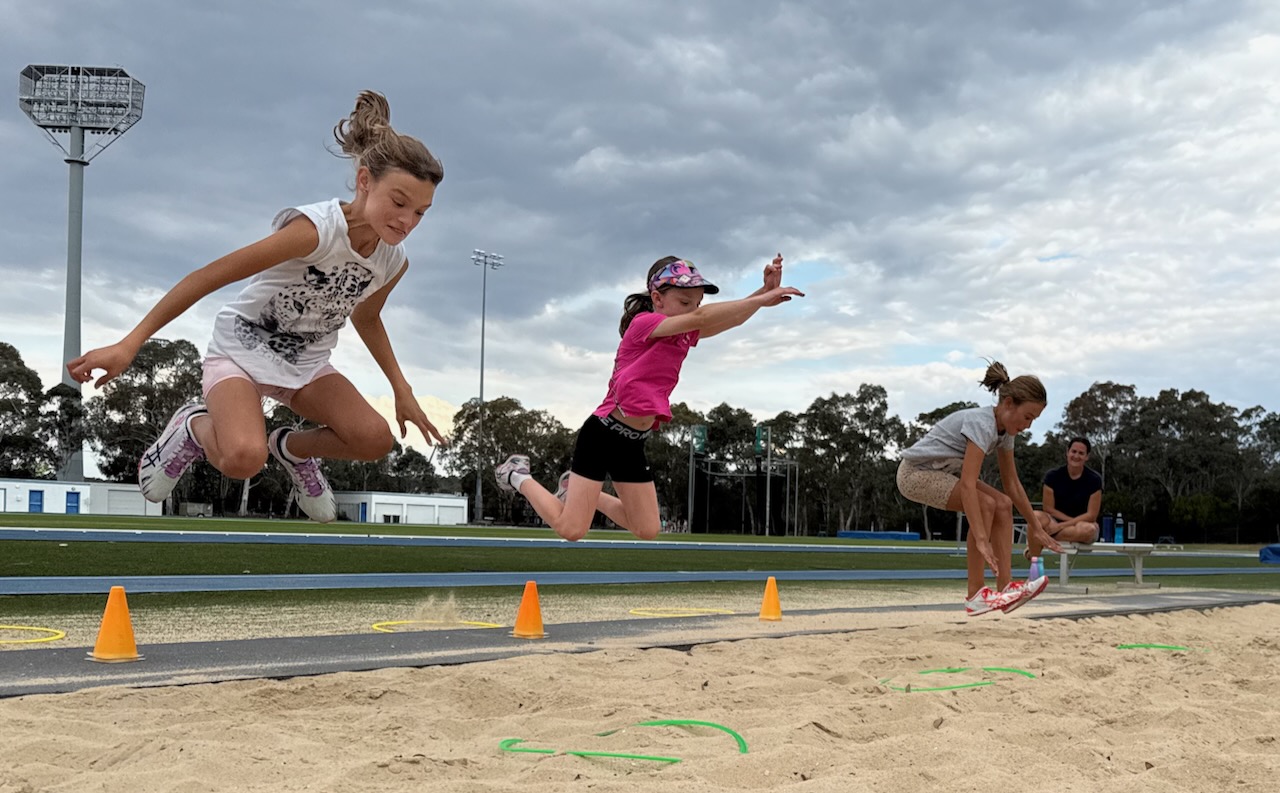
(74, 498)
(434, 509)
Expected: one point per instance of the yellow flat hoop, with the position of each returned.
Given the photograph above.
(386, 627)
(676, 612)
(53, 636)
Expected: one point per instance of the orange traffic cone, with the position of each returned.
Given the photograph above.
(770, 608)
(115, 636)
(529, 618)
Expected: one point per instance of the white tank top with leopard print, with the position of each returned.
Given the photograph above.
(284, 323)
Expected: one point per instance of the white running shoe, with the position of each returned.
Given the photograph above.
(164, 461)
(984, 600)
(1018, 593)
(515, 464)
(312, 490)
(562, 488)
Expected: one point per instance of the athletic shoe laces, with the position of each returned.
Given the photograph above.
(188, 452)
(308, 476)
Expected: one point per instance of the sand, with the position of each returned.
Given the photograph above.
(818, 713)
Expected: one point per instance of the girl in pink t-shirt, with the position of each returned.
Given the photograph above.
(658, 328)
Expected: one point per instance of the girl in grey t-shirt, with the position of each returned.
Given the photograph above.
(942, 469)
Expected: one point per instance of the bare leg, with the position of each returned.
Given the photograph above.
(639, 500)
(1002, 540)
(352, 429)
(1035, 543)
(572, 519)
(234, 434)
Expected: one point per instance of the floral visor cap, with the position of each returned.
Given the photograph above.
(682, 275)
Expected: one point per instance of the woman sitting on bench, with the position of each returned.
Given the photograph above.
(1072, 498)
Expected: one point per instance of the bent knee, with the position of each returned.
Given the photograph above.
(647, 532)
(572, 533)
(243, 462)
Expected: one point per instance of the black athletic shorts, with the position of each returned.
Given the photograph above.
(608, 448)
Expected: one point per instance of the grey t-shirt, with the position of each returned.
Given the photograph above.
(950, 437)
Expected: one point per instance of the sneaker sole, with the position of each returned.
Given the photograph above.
(1026, 597)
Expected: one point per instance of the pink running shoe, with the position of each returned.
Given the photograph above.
(984, 600)
(312, 490)
(1019, 593)
(164, 461)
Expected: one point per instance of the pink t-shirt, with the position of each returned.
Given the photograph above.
(646, 370)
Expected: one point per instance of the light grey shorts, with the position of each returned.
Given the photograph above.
(929, 483)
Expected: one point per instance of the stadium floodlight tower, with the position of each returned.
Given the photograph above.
(72, 101)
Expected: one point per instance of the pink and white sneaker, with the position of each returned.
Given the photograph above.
(1019, 593)
(164, 461)
(312, 490)
(984, 600)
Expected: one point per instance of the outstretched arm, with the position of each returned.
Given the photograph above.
(299, 238)
(719, 317)
(367, 320)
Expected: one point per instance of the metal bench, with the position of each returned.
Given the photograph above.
(1136, 551)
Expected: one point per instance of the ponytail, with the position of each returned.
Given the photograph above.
(367, 137)
(1023, 388)
(635, 304)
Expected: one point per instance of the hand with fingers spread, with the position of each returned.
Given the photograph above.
(408, 410)
(1046, 539)
(982, 542)
(778, 295)
(111, 360)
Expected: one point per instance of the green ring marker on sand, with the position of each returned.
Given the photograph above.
(951, 670)
(510, 744)
(742, 743)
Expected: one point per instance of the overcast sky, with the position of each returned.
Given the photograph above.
(1082, 190)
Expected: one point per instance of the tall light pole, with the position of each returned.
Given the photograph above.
(73, 100)
(487, 261)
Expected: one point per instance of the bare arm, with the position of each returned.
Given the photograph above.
(979, 526)
(1095, 506)
(1013, 485)
(299, 238)
(719, 317)
(367, 320)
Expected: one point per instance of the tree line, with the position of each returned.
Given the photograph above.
(1179, 463)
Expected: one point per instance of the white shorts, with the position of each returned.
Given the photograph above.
(218, 368)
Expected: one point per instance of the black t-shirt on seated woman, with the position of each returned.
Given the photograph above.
(1071, 496)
